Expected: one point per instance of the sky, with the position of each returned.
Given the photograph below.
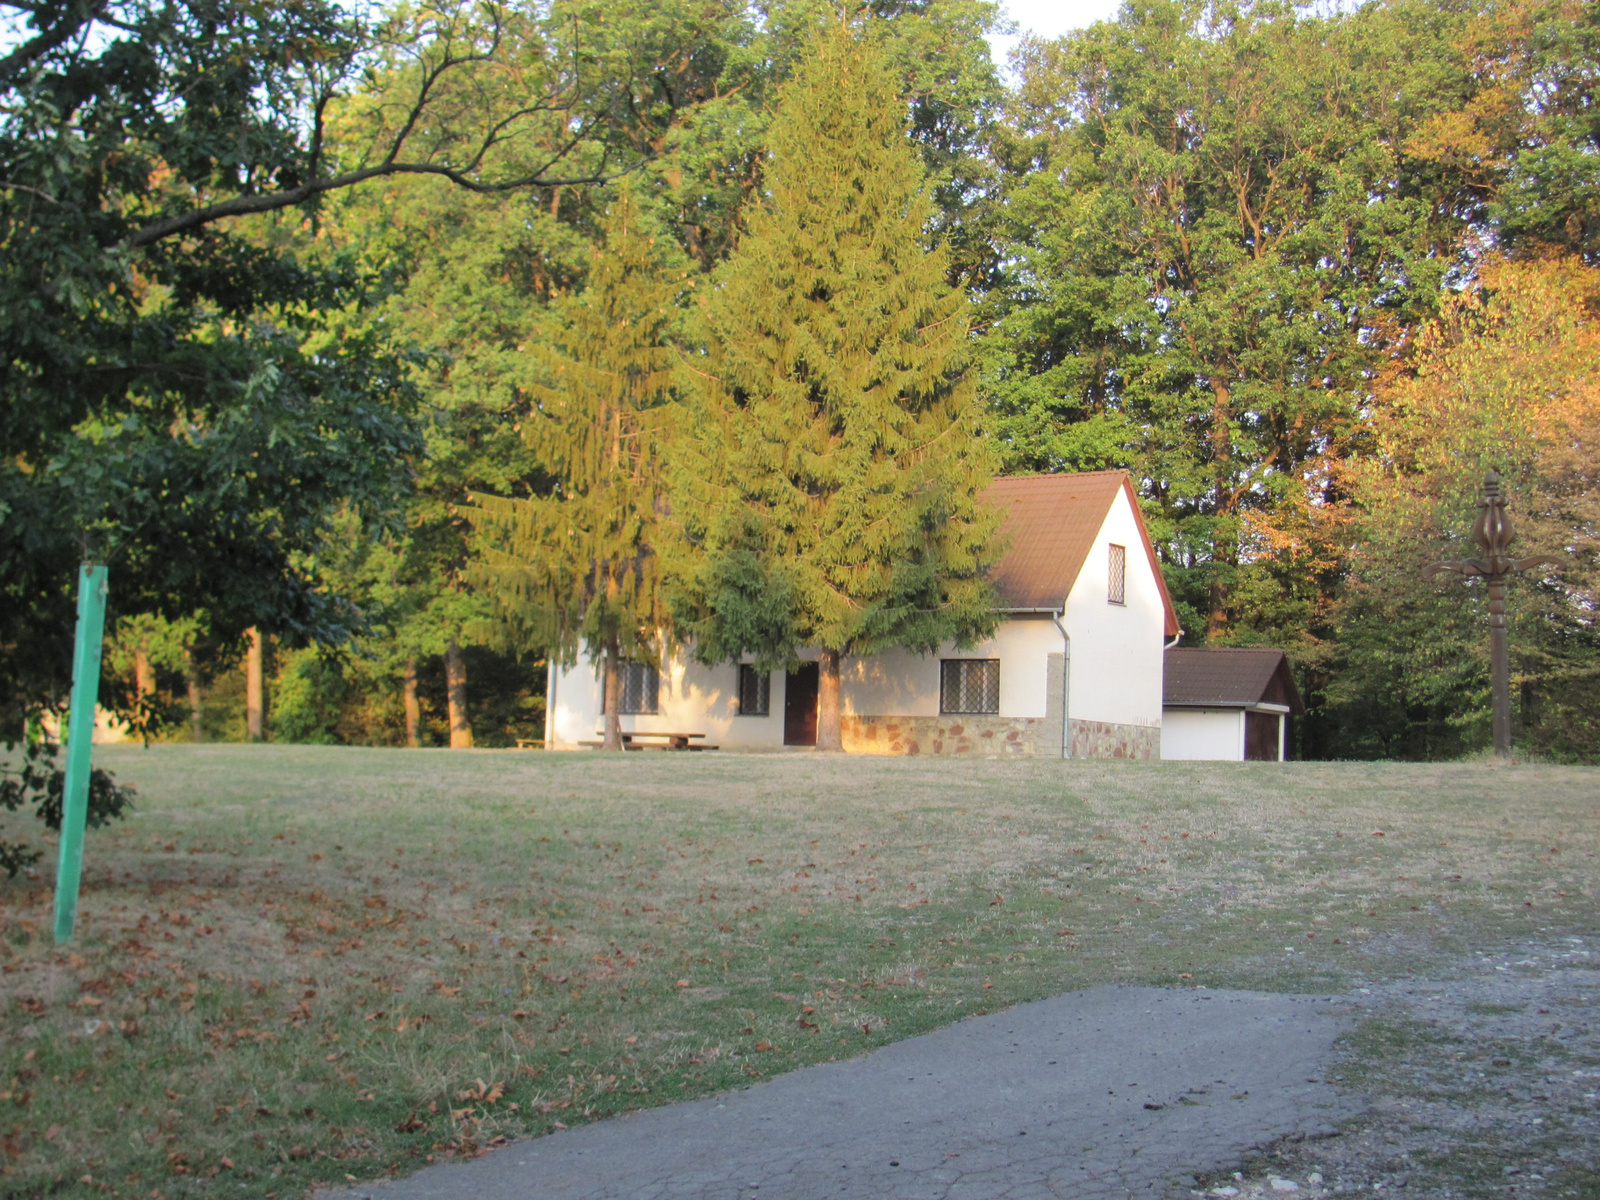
(1049, 18)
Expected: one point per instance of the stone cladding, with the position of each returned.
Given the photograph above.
(978, 737)
(996, 737)
(1103, 739)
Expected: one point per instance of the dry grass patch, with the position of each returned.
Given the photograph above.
(301, 964)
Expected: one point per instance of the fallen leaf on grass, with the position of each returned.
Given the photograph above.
(483, 1093)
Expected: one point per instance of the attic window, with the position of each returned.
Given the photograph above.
(1117, 575)
(969, 685)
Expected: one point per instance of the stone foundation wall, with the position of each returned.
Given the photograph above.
(978, 737)
(998, 737)
(1103, 739)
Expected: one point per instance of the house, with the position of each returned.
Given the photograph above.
(1073, 670)
(1230, 703)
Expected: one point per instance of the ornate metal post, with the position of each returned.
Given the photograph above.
(1494, 533)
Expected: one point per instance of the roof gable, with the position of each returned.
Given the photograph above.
(1050, 523)
(1229, 677)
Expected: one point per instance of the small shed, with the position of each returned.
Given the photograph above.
(1230, 704)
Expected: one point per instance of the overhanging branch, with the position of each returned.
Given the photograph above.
(243, 206)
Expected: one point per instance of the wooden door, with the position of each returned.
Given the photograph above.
(1261, 737)
(800, 707)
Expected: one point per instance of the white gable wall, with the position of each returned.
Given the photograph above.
(1117, 663)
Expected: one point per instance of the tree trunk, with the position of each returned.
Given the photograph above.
(413, 707)
(1217, 618)
(191, 673)
(455, 685)
(1224, 549)
(830, 735)
(611, 739)
(255, 689)
(144, 675)
(144, 686)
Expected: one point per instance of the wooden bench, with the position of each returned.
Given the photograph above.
(651, 739)
(530, 743)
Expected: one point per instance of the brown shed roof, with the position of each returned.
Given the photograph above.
(1050, 523)
(1229, 677)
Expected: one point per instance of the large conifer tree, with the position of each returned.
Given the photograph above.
(830, 484)
(576, 564)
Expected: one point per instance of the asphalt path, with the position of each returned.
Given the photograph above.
(1110, 1092)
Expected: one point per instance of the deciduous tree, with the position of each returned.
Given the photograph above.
(1506, 379)
(177, 398)
(1217, 236)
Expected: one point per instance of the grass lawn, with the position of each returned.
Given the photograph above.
(302, 964)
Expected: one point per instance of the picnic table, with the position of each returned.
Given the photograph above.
(656, 739)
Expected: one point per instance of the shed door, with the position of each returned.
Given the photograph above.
(800, 706)
(1261, 737)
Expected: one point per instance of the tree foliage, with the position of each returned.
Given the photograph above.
(184, 396)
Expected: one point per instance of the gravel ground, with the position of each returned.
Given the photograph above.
(1486, 1083)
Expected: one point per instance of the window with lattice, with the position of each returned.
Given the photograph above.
(969, 685)
(641, 688)
(1117, 575)
(755, 691)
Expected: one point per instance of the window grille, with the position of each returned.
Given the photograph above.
(969, 685)
(1117, 575)
(641, 688)
(755, 691)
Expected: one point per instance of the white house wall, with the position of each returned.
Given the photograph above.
(692, 699)
(900, 683)
(699, 699)
(1116, 667)
(1211, 734)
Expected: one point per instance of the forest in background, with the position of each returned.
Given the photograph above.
(1307, 276)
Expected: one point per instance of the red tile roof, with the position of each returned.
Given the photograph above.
(1229, 677)
(1050, 523)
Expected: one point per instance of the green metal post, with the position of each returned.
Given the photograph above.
(80, 743)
